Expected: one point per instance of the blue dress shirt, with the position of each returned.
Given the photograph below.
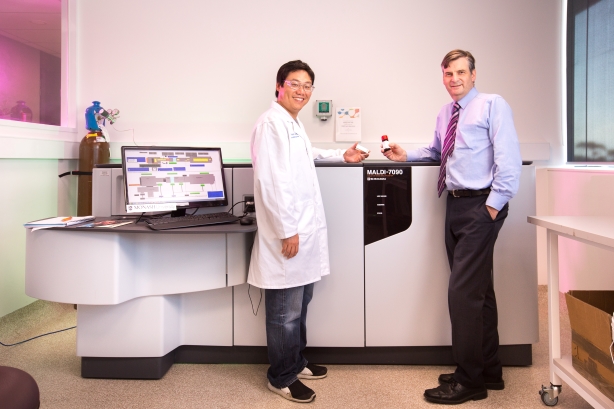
(486, 151)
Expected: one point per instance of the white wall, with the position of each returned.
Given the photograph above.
(31, 194)
(201, 72)
(573, 191)
(29, 156)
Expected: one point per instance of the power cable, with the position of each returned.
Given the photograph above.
(38, 336)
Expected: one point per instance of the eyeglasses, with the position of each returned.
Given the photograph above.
(295, 85)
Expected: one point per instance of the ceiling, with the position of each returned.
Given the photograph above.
(37, 23)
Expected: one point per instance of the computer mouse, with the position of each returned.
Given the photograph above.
(246, 221)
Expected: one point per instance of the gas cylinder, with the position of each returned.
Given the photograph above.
(94, 149)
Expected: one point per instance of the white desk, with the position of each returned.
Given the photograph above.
(140, 293)
(596, 231)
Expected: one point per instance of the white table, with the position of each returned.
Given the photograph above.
(141, 294)
(596, 231)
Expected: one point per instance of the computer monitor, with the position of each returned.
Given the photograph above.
(187, 177)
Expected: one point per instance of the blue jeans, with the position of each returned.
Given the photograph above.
(286, 332)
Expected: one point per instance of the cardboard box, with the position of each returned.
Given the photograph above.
(590, 314)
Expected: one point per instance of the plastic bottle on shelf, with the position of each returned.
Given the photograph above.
(385, 144)
(21, 112)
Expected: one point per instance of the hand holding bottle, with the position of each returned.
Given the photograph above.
(393, 151)
(385, 143)
(354, 154)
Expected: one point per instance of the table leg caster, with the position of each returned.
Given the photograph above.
(550, 396)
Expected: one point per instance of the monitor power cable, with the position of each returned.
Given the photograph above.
(233, 206)
(139, 219)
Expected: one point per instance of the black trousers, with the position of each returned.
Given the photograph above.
(470, 241)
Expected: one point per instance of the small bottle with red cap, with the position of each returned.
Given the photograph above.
(385, 144)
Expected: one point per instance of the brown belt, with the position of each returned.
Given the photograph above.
(469, 193)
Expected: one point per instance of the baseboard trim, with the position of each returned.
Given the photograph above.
(156, 367)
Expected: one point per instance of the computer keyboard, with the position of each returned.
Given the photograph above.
(205, 219)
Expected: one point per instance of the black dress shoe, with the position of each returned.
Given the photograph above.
(454, 393)
(492, 384)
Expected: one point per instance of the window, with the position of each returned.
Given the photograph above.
(590, 81)
(30, 61)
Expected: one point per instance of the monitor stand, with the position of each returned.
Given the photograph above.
(179, 212)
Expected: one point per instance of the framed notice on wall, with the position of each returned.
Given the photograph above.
(348, 124)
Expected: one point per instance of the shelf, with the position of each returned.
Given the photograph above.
(564, 369)
(596, 231)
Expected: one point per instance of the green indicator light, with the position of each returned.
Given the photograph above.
(172, 163)
(171, 173)
(147, 174)
(194, 193)
(204, 173)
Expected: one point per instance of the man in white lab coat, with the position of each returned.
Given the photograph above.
(291, 247)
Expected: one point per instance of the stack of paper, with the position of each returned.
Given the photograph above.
(58, 221)
(107, 223)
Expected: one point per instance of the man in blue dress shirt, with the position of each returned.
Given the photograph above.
(481, 169)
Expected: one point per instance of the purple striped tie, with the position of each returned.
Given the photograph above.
(448, 147)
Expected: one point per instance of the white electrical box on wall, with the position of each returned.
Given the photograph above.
(324, 109)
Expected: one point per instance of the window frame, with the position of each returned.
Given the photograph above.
(68, 123)
(569, 86)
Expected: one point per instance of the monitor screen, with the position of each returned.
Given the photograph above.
(187, 177)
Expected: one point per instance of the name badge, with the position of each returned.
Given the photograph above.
(294, 135)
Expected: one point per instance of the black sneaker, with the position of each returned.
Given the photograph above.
(312, 371)
(296, 392)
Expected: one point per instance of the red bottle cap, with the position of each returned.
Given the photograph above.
(384, 138)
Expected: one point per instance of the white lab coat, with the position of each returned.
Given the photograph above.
(288, 201)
